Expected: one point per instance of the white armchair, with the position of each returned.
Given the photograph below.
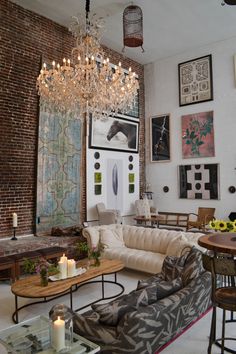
(108, 216)
(144, 207)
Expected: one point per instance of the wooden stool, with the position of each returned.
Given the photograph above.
(8, 263)
(52, 252)
(19, 259)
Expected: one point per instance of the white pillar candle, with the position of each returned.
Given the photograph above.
(63, 269)
(63, 258)
(58, 334)
(14, 219)
(70, 267)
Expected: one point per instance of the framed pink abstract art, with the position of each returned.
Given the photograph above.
(198, 135)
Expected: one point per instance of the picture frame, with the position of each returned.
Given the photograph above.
(195, 81)
(160, 138)
(198, 135)
(114, 133)
(199, 181)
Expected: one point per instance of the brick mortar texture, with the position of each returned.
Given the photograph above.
(25, 39)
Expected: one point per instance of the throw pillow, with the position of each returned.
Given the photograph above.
(114, 311)
(154, 279)
(112, 237)
(172, 266)
(193, 266)
(178, 245)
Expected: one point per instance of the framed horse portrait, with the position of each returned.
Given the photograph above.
(114, 133)
(160, 138)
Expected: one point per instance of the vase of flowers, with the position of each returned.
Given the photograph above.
(223, 226)
(42, 267)
(93, 253)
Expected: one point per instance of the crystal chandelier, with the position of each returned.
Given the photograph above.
(87, 83)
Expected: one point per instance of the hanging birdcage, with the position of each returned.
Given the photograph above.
(133, 27)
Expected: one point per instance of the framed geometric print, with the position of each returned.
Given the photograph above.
(195, 81)
(199, 181)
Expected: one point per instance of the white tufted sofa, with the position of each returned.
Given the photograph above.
(140, 248)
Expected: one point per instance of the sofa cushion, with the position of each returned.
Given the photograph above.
(112, 312)
(154, 279)
(88, 325)
(178, 245)
(193, 266)
(173, 267)
(112, 237)
(149, 262)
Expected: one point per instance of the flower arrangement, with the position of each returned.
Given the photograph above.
(42, 267)
(224, 226)
(93, 253)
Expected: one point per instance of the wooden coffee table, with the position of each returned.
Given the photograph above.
(30, 287)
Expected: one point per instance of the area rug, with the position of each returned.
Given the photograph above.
(185, 330)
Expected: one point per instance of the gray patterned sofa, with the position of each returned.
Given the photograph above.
(161, 307)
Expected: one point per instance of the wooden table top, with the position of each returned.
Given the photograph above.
(152, 218)
(30, 286)
(224, 242)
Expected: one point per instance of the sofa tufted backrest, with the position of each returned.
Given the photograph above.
(147, 239)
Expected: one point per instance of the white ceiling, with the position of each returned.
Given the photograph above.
(170, 26)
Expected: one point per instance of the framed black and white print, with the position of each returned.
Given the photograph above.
(199, 181)
(195, 81)
(114, 133)
(160, 138)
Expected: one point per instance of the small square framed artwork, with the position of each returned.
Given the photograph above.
(160, 138)
(98, 189)
(131, 177)
(195, 81)
(131, 188)
(97, 177)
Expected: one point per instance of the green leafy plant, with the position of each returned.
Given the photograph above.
(39, 266)
(93, 253)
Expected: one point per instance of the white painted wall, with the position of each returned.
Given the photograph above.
(161, 96)
(128, 199)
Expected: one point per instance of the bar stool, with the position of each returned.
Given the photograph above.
(223, 295)
(6, 263)
(19, 259)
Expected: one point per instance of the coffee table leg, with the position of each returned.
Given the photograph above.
(71, 300)
(16, 309)
(102, 286)
(115, 276)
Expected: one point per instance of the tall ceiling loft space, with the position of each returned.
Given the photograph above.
(169, 27)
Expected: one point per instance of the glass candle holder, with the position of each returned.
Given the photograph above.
(61, 329)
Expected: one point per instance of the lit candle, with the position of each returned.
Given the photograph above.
(63, 269)
(58, 334)
(14, 219)
(70, 267)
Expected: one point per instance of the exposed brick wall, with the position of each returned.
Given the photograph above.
(25, 38)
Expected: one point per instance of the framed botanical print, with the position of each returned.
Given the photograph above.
(160, 138)
(195, 81)
(198, 135)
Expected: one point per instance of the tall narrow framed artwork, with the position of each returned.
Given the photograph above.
(160, 138)
(198, 135)
(199, 181)
(195, 81)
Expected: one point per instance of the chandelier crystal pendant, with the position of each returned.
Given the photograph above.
(87, 83)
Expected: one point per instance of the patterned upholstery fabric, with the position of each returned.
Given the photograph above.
(143, 324)
(112, 312)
